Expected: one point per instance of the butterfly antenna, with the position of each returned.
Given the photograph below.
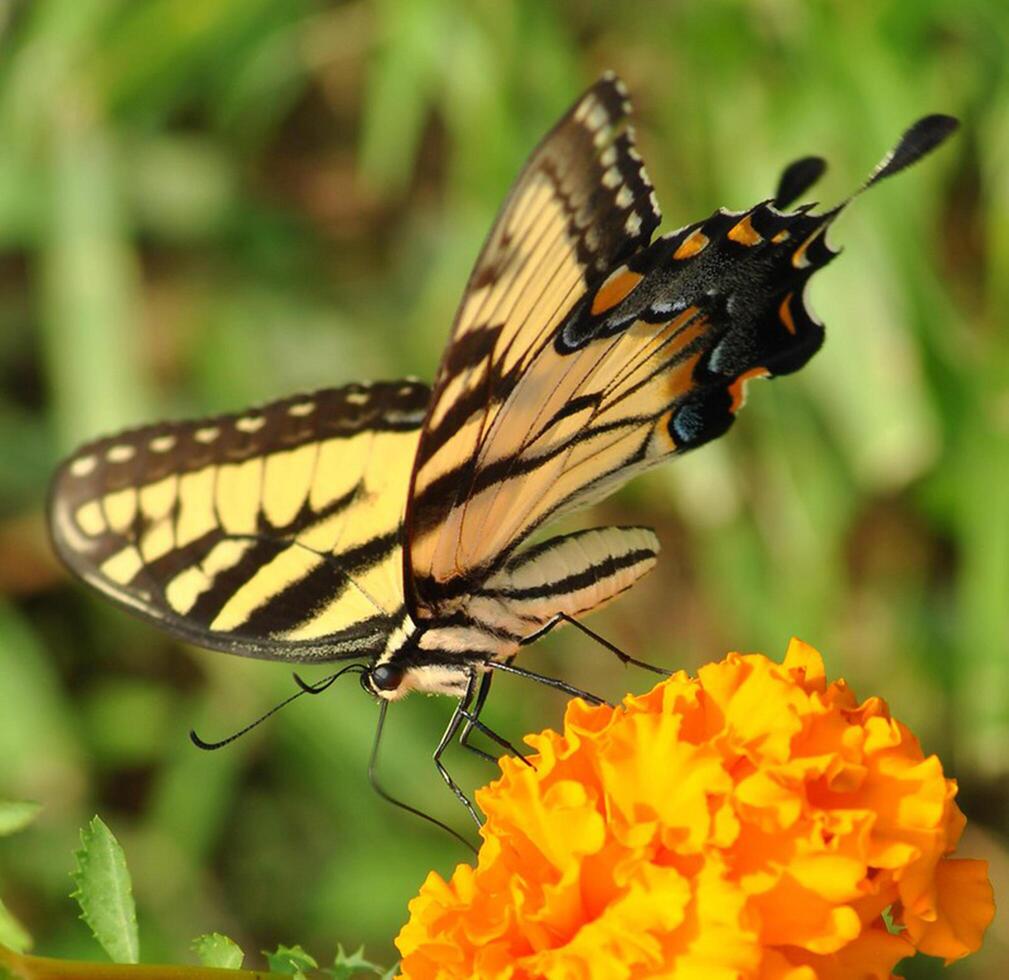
(326, 682)
(305, 689)
(373, 779)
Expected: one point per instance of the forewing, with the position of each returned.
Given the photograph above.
(273, 533)
(580, 207)
(652, 362)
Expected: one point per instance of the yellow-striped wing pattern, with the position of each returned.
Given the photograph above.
(581, 205)
(583, 353)
(273, 533)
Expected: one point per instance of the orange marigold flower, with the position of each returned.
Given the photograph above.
(753, 822)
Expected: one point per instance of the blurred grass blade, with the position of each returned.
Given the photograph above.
(89, 281)
(13, 935)
(400, 88)
(105, 893)
(15, 815)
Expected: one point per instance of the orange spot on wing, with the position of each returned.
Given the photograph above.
(681, 379)
(616, 288)
(737, 390)
(744, 233)
(799, 258)
(785, 312)
(691, 245)
(782, 236)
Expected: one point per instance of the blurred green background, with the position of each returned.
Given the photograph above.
(208, 204)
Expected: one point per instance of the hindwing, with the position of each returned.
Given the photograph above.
(273, 533)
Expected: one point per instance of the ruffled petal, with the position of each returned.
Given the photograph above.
(754, 822)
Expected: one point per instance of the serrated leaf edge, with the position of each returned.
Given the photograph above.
(96, 826)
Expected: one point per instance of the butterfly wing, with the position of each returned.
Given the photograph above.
(581, 205)
(274, 533)
(583, 355)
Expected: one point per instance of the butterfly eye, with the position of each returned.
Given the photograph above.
(385, 677)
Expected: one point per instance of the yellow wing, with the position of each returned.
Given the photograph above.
(581, 206)
(584, 354)
(274, 533)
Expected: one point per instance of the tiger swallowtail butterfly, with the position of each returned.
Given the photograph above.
(384, 523)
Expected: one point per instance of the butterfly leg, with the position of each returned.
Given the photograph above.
(473, 721)
(458, 716)
(553, 682)
(624, 658)
(377, 787)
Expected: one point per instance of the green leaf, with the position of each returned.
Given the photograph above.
(347, 965)
(213, 949)
(892, 927)
(15, 816)
(13, 935)
(291, 961)
(105, 893)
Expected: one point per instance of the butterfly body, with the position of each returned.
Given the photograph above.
(488, 624)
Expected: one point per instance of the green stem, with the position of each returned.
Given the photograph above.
(46, 968)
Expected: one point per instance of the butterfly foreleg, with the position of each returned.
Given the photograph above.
(378, 788)
(473, 721)
(459, 715)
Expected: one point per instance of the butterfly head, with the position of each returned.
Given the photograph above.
(383, 680)
(393, 681)
(440, 657)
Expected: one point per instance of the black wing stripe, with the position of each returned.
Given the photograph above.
(305, 598)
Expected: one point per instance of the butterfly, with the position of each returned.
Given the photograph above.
(388, 524)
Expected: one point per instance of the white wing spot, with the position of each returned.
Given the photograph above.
(625, 197)
(608, 157)
(250, 424)
(207, 434)
(162, 444)
(633, 223)
(121, 454)
(675, 306)
(356, 397)
(598, 116)
(301, 409)
(611, 177)
(84, 465)
(583, 108)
